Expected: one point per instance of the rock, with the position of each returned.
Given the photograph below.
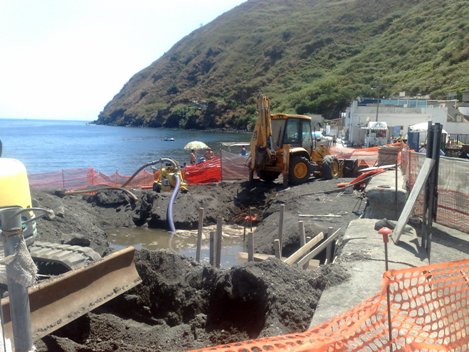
(76, 239)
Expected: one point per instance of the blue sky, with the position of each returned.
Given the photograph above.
(66, 59)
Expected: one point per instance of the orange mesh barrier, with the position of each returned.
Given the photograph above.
(234, 166)
(206, 172)
(366, 157)
(77, 179)
(429, 312)
(453, 189)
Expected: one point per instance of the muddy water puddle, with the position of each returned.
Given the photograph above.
(183, 242)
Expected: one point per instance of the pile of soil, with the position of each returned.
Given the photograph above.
(182, 304)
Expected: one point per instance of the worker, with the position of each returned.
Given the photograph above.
(423, 149)
(243, 151)
(193, 157)
(208, 154)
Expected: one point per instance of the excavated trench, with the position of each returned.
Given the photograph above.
(182, 304)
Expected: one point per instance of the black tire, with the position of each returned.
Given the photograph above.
(329, 167)
(300, 170)
(267, 176)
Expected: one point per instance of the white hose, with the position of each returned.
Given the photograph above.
(169, 213)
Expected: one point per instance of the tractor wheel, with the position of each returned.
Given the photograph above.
(267, 176)
(330, 167)
(300, 170)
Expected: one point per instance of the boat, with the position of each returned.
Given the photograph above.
(168, 139)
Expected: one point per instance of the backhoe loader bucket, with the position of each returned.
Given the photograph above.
(62, 299)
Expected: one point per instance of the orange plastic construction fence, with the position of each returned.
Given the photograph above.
(206, 172)
(366, 156)
(429, 308)
(78, 179)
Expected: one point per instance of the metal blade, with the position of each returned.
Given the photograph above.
(62, 299)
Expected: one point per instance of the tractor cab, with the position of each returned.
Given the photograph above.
(294, 130)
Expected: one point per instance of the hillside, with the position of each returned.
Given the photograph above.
(309, 56)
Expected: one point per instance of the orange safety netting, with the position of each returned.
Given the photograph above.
(453, 189)
(206, 172)
(366, 156)
(429, 312)
(78, 179)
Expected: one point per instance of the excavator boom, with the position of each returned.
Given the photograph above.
(283, 144)
(262, 135)
(64, 298)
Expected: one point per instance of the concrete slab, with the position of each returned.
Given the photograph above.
(362, 253)
(381, 195)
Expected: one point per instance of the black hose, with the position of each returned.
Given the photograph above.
(138, 170)
(175, 164)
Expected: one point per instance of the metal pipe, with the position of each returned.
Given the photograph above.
(218, 243)
(280, 227)
(19, 300)
(211, 253)
(388, 294)
(277, 248)
(250, 247)
(329, 247)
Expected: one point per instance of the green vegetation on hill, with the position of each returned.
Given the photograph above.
(308, 56)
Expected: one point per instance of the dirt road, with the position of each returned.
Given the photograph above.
(182, 304)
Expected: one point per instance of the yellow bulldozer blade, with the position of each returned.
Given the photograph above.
(64, 298)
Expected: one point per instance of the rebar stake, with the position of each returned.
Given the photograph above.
(386, 232)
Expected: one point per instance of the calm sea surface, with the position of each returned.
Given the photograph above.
(50, 145)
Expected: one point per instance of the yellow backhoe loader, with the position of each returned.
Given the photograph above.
(284, 144)
(86, 280)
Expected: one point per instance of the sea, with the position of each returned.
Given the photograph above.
(51, 145)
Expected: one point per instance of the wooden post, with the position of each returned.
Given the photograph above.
(250, 247)
(318, 249)
(218, 243)
(199, 235)
(280, 227)
(329, 247)
(250, 217)
(301, 229)
(212, 248)
(277, 248)
(419, 184)
(303, 250)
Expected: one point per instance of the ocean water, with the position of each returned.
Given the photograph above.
(50, 145)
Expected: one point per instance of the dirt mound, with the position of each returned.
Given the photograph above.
(182, 304)
(319, 211)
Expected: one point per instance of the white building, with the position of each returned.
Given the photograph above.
(399, 114)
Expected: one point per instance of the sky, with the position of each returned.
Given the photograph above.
(66, 59)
